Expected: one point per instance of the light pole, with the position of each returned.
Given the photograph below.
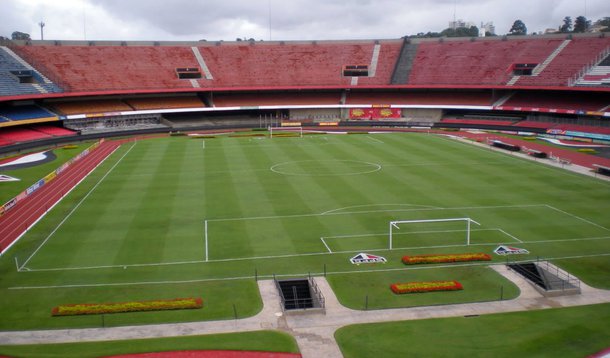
(41, 24)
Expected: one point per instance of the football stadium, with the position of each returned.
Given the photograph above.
(357, 198)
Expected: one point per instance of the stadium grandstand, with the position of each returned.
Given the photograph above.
(539, 84)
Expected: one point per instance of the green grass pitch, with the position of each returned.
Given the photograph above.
(174, 217)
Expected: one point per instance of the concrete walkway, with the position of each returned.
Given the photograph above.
(313, 332)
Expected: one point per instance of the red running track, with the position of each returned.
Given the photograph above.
(582, 159)
(15, 222)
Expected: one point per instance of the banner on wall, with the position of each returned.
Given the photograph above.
(375, 113)
(11, 203)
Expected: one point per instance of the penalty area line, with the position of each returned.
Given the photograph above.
(509, 235)
(375, 139)
(327, 248)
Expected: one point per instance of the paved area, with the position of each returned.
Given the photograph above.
(314, 333)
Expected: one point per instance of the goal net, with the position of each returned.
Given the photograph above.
(396, 226)
(285, 132)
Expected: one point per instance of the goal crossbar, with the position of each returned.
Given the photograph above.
(394, 224)
(275, 130)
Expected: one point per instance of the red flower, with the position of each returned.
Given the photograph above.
(425, 286)
(443, 258)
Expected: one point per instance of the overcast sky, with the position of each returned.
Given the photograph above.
(276, 19)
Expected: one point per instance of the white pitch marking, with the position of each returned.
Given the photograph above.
(577, 217)
(509, 235)
(376, 211)
(328, 248)
(408, 268)
(373, 205)
(206, 240)
(375, 139)
(306, 254)
(77, 206)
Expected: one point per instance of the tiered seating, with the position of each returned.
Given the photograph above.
(581, 128)
(96, 68)
(273, 64)
(388, 55)
(29, 113)
(478, 121)
(16, 135)
(579, 53)
(475, 98)
(589, 101)
(54, 131)
(165, 102)
(534, 124)
(10, 84)
(482, 62)
(91, 107)
(275, 99)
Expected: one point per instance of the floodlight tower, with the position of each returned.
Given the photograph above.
(41, 24)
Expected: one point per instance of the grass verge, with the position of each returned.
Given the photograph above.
(268, 341)
(565, 332)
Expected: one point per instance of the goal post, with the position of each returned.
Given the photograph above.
(394, 225)
(296, 131)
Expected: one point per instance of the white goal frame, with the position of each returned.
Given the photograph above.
(394, 225)
(298, 130)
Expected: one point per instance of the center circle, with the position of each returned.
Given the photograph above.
(325, 167)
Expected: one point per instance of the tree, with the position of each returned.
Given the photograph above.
(567, 25)
(20, 36)
(581, 24)
(472, 31)
(518, 28)
(605, 22)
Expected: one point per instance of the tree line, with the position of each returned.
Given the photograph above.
(580, 25)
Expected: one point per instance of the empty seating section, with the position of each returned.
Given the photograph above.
(16, 135)
(98, 68)
(388, 55)
(26, 113)
(588, 101)
(481, 62)
(165, 102)
(10, 84)
(272, 99)
(276, 65)
(54, 131)
(478, 122)
(91, 106)
(420, 98)
(579, 53)
(534, 124)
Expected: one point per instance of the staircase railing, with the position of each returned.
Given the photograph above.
(572, 81)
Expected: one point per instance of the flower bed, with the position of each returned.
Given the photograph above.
(425, 286)
(442, 258)
(135, 306)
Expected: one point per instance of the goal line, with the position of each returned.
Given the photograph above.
(394, 225)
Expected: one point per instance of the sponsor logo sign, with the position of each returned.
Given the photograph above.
(363, 258)
(503, 250)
